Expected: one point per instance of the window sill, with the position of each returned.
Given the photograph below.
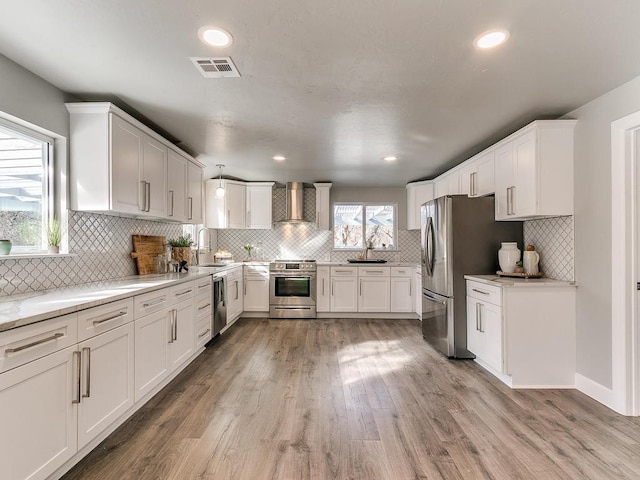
(21, 256)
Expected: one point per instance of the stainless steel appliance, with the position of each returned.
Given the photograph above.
(459, 237)
(219, 303)
(292, 289)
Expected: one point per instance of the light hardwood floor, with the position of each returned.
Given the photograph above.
(357, 399)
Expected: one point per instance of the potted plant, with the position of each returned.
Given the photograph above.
(370, 248)
(54, 235)
(181, 248)
(248, 248)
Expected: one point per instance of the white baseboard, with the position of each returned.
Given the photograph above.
(595, 390)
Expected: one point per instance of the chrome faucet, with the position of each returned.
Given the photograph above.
(199, 245)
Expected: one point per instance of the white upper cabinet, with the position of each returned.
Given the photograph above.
(323, 207)
(259, 199)
(118, 165)
(417, 194)
(195, 185)
(476, 176)
(534, 171)
(177, 187)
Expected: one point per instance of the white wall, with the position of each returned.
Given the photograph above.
(593, 227)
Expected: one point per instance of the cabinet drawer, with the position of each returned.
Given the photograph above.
(262, 270)
(97, 320)
(203, 304)
(203, 285)
(150, 302)
(373, 271)
(401, 271)
(182, 292)
(484, 292)
(202, 330)
(28, 343)
(234, 273)
(344, 271)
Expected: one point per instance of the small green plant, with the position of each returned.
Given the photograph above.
(370, 245)
(248, 248)
(54, 232)
(182, 241)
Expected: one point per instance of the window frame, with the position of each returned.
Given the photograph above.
(364, 205)
(49, 178)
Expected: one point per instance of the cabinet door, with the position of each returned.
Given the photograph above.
(402, 294)
(154, 173)
(466, 178)
(323, 208)
(235, 202)
(485, 175)
(194, 193)
(505, 181)
(181, 333)
(38, 416)
(323, 298)
(215, 209)
(177, 187)
(256, 293)
(151, 352)
(453, 184)
(259, 211)
(416, 196)
(474, 338)
(417, 288)
(344, 295)
(374, 295)
(524, 161)
(490, 321)
(107, 387)
(126, 165)
(235, 289)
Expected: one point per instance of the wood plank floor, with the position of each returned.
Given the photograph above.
(357, 399)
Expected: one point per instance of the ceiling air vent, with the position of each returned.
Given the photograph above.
(216, 67)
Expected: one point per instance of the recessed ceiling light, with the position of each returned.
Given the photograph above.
(279, 158)
(215, 36)
(390, 158)
(491, 39)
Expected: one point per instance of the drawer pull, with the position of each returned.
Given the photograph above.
(55, 336)
(204, 285)
(151, 304)
(204, 333)
(344, 271)
(78, 359)
(204, 306)
(119, 315)
(369, 272)
(184, 293)
(480, 291)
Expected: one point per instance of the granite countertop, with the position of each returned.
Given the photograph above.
(24, 309)
(519, 282)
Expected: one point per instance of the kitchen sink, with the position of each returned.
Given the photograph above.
(377, 260)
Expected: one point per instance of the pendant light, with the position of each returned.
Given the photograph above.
(220, 189)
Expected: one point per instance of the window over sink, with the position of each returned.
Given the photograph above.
(357, 226)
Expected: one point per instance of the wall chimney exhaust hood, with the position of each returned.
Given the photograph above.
(295, 203)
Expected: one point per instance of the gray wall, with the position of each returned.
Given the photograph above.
(374, 194)
(593, 227)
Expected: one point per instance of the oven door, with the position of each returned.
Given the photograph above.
(292, 289)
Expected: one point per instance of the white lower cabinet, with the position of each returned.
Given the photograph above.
(235, 294)
(107, 389)
(181, 337)
(484, 332)
(38, 416)
(256, 288)
(374, 290)
(344, 289)
(402, 294)
(151, 352)
(323, 296)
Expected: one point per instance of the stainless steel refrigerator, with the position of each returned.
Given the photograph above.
(459, 237)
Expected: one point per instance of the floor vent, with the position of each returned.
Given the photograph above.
(215, 67)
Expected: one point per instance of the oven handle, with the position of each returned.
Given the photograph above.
(297, 275)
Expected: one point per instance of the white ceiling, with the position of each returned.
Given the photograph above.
(334, 85)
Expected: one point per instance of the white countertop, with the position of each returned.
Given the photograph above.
(519, 282)
(362, 264)
(24, 309)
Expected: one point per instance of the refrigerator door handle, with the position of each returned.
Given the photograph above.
(428, 247)
(432, 247)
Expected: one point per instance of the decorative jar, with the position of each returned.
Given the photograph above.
(5, 247)
(508, 255)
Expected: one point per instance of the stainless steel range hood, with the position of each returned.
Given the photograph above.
(295, 203)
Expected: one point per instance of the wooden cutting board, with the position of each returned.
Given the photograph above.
(145, 249)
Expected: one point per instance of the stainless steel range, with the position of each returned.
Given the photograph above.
(292, 289)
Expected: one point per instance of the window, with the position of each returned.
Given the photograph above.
(358, 225)
(25, 189)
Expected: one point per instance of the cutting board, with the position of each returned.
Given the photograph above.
(145, 249)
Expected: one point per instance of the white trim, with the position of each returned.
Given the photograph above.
(594, 390)
(623, 264)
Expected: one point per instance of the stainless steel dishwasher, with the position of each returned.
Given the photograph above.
(219, 303)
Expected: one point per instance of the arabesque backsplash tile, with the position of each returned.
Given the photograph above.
(553, 240)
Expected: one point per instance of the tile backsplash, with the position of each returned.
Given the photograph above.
(553, 239)
(100, 247)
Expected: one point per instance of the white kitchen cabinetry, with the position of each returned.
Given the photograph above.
(259, 200)
(417, 194)
(235, 289)
(203, 324)
(447, 184)
(402, 290)
(177, 187)
(323, 296)
(153, 177)
(195, 197)
(524, 333)
(476, 176)
(151, 351)
(417, 288)
(374, 289)
(323, 207)
(534, 171)
(107, 387)
(256, 288)
(181, 336)
(344, 289)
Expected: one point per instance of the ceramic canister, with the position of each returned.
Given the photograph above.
(508, 255)
(5, 247)
(530, 261)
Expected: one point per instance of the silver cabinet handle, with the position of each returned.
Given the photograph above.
(204, 333)
(248, 218)
(157, 302)
(228, 218)
(237, 290)
(204, 285)
(190, 199)
(410, 285)
(204, 306)
(360, 287)
(171, 203)
(148, 194)
(184, 293)
(55, 336)
(78, 359)
(87, 378)
(332, 283)
(480, 316)
(323, 287)
(143, 190)
(175, 326)
(172, 321)
(344, 271)
(477, 316)
(376, 272)
(119, 315)
(245, 288)
(318, 218)
(480, 291)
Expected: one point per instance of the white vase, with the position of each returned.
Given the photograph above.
(530, 261)
(53, 250)
(508, 255)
